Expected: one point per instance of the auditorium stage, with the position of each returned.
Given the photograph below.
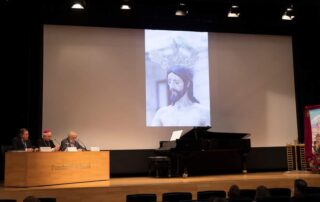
(116, 189)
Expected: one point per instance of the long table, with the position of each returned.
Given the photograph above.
(28, 169)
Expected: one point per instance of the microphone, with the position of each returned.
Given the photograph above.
(64, 148)
(57, 146)
(82, 145)
(55, 141)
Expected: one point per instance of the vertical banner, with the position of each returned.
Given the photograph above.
(312, 136)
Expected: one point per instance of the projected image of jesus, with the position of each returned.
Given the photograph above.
(183, 109)
(177, 78)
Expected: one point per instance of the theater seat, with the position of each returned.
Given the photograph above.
(248, 193)
(141, 198)
(8, 200)
(176, 196)
(194, 201)
(47, 199)
(313, 190)
(274, 199)
(313, 198)
(205, 195)
(280, 192)
(240, 200)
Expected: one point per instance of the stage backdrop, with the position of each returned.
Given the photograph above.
(94, 83)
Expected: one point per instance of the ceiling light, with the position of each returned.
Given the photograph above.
(182, 9)
(126, 5)
(234, 12)
(288, 13)
(78, 4)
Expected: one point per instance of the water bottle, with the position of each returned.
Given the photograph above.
(185, 173)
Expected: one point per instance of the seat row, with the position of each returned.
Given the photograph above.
(247, 194)
(31, 199)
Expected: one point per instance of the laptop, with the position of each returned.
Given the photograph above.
(176, 135)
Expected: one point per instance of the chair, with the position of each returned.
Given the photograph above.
(280, 192)
(205, 195)
(141, 198)
(176, 196)
(47, 199)
(161, 165)
(248, 193)
(5, 148)
(274, 199)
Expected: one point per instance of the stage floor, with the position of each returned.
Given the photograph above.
(116, 189)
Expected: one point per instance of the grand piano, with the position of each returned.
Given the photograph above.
(201, 152)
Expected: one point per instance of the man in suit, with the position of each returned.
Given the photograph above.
(71, 141)
(22, 142)
(46, 140)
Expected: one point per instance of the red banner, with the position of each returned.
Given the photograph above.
(312, 136)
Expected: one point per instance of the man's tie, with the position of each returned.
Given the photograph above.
(25, 144)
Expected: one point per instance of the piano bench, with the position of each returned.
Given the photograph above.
(161, 165)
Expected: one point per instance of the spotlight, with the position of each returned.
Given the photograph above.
(126, 5)
(79, 5)
(234, 12)
(288, 14)
(182, 9)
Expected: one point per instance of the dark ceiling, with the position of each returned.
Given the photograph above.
(257, 16)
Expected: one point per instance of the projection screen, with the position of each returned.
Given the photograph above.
(94, 82)
(177, 78)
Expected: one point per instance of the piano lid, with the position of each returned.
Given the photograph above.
(201, 132)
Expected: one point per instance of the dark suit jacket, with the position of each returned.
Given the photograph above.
(19, 144)
(66, 143)
(43, 143)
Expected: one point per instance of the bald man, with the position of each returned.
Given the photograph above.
(71, 141)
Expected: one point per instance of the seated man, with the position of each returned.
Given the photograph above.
(71, 141)
(22, 142)
(46, 140)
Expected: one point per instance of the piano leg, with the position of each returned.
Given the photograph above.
(244, 163)
(176, 162)
(178, 167)
(181, 163)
